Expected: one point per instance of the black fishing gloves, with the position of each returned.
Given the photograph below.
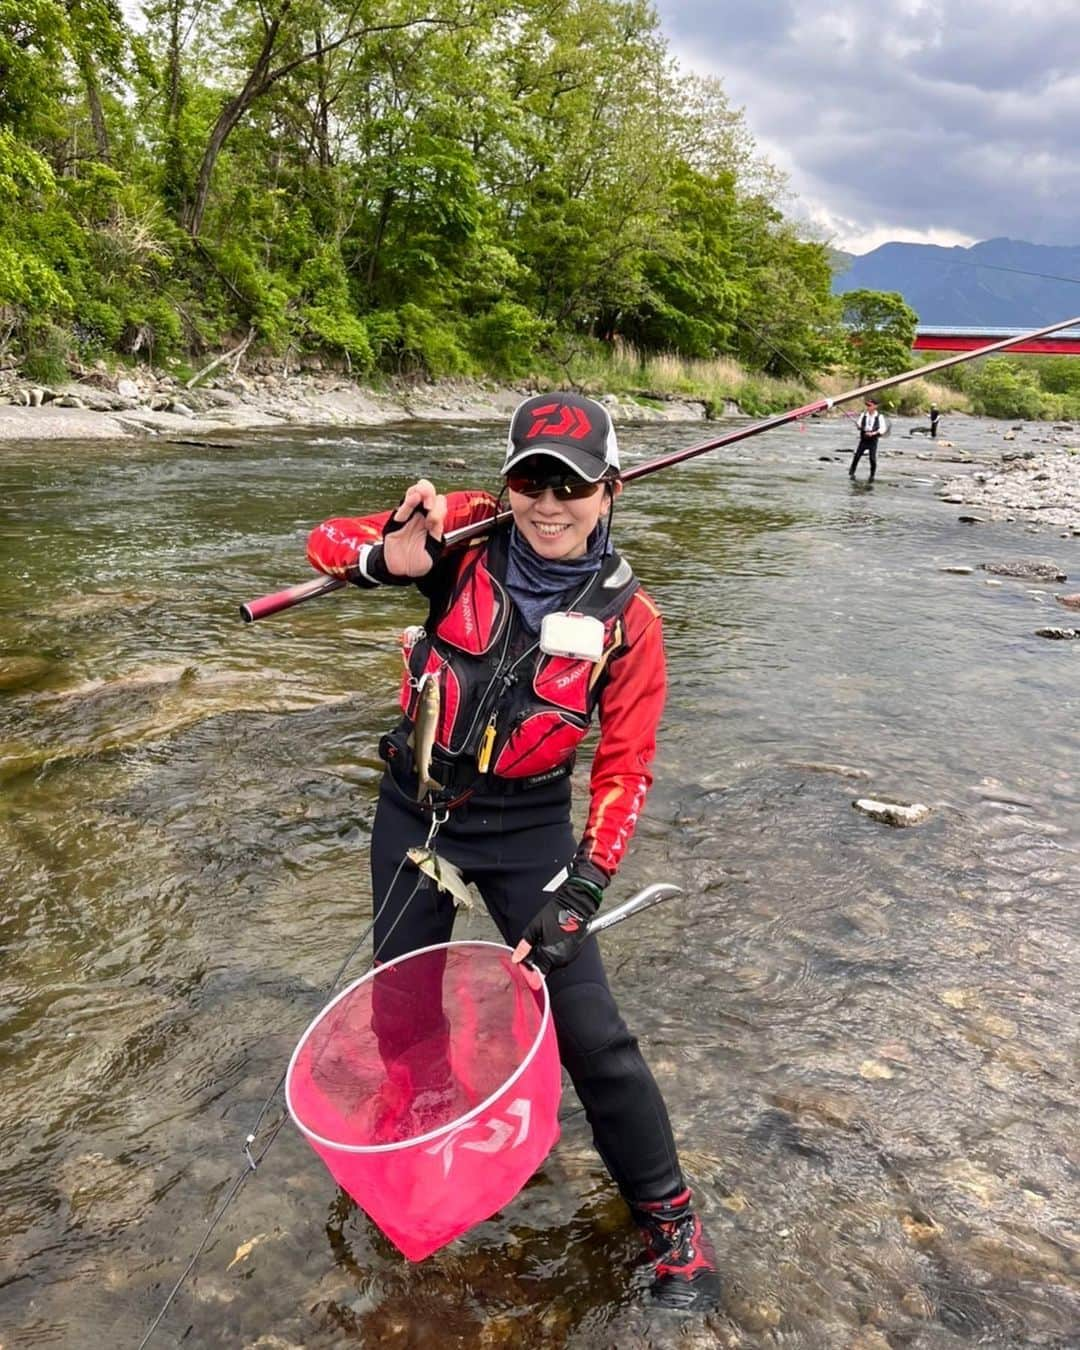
(371, 569)
(557, 932)
(432, 547)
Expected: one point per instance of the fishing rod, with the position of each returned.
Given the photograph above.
(644, 899)
(308, 590)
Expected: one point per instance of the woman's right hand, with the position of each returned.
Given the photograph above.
(413, 530)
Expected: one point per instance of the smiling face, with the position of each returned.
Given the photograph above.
(555, 526)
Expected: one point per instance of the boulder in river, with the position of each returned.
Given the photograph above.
(16, 671)
(900, 814)
(1069, 601)
(1030, 569)
(1061, 634)
(820, 766)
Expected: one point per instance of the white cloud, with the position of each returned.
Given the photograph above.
(920, 120)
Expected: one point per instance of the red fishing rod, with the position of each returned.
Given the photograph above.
(322, 585)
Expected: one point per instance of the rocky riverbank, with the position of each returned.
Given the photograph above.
(1035, 486)
(104, 406)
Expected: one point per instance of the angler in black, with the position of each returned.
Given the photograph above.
(870, 428)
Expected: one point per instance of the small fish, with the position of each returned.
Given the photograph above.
(422, 736)
(444, 874)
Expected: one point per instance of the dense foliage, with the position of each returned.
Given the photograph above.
(1035, 388)
(447, 188)
(881, 329)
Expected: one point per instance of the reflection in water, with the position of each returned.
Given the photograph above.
(866, 1036)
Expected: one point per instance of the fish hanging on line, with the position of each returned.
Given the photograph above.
(422, 736)
(444, 874)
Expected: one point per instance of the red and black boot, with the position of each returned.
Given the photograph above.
(686, 1277)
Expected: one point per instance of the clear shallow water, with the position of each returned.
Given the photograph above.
(867, 1037)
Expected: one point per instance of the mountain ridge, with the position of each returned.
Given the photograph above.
(1004, 282)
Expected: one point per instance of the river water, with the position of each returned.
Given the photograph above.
(867, 1036)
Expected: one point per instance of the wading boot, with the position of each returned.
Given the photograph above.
(685, 1262)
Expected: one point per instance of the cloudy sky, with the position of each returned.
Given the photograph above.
(934, 121)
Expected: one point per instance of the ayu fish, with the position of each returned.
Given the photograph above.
(444, 874)
(422, 736)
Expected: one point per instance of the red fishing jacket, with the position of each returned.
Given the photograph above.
(523, 712)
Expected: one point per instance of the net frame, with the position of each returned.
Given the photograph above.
(413, 1140)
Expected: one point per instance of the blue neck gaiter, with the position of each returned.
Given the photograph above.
(540, 586)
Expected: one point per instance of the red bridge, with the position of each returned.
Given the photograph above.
(945, 338)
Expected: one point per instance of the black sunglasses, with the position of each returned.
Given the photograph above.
(566, 487)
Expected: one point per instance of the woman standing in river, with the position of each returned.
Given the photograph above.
(530, 631)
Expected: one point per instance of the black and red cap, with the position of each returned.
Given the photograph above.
(567, 427)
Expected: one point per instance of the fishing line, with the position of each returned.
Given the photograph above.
(784, 357)
(275, 1129)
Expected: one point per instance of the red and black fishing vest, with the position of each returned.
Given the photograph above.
(506, 708)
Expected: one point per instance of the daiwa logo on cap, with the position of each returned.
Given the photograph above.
(559, 419)
(568, 427)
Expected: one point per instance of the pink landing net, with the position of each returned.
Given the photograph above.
(430, 1088)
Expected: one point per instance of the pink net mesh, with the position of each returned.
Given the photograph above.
(430, 1089)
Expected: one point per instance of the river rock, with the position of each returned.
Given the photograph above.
(869, 1338)
(873, 1069)
(1069, 601)
(1060, 634)
(900, 814)
(217, 398)
(105, 1192)
(959, 569)
(752, 1314)
(1030, 569)
(841, 770)
(127, 389)
(98, 400)
(16, 671)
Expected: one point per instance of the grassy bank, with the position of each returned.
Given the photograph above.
(621, 369)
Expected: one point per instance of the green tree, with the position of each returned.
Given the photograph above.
(789, 321)
(693, 283)
(881, 329)
(276, 41)
(1001, 388)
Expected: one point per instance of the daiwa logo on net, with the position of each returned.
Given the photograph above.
(498, 1134)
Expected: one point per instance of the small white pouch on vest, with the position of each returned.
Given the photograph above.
(578, 636)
